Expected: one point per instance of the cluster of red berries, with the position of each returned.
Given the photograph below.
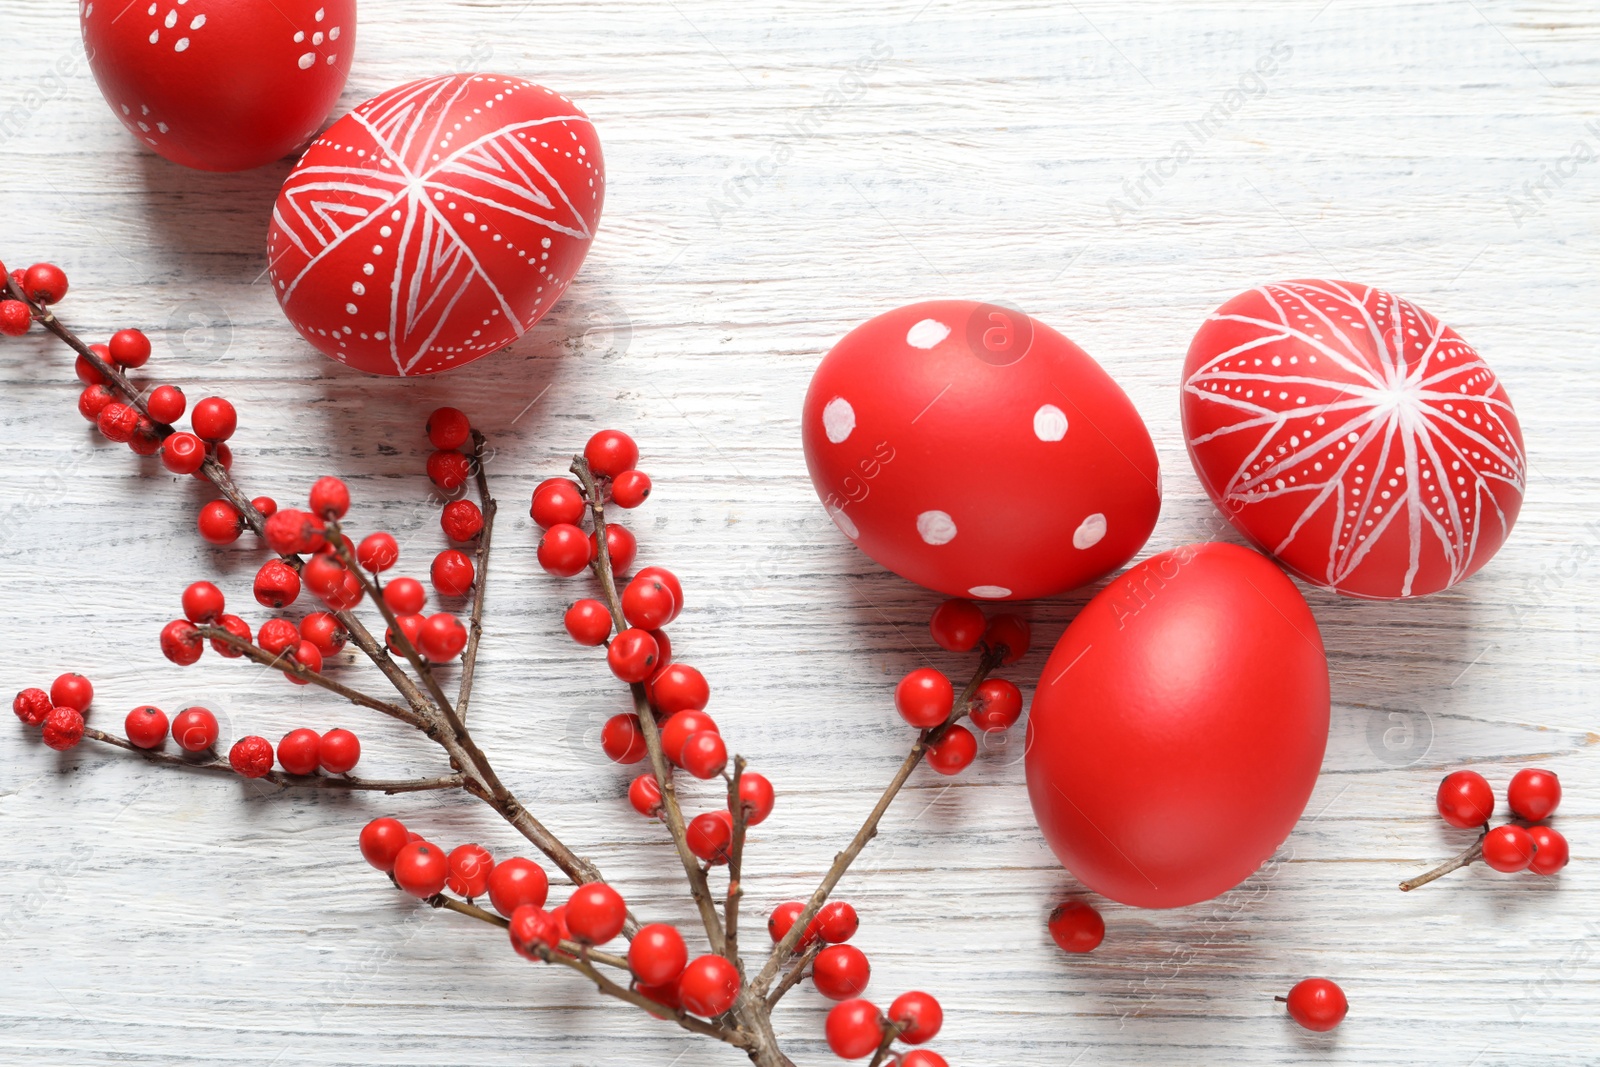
(59, 712)
(1465, 800)
(300, 751)
(43, 283)
(558, 507)
(926, 698)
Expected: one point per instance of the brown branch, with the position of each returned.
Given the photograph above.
(280, 778)
(730, 907)
(1470, 855)
(481, 579)
(647, 723)
(439, 900)
(890, 1032)
(869, 828)
(793, 976)
(657, 1010)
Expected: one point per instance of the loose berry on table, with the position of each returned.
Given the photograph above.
(1317, 1004)
(1076, 927)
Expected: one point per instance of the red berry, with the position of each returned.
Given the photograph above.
(235, 626)
(671, 580)
(411, 627)
(647, 603)
(704, 755)
(564, 550)
(93, 400)
(677, 730)
(220, 522)
(324, 574)
(292, 532)
(996, 705)
(679, 687)
(644, 793)
(347, 595)
(664, 995)
(1533, 794)
(145, 440)
(924, 698)
(756, 793)
(297, 752)
(377, 552)
(15, 318)
(183, 453)
(921, 1057)
(306, 655)
(663, 657)
(166, 403)
(1465, 799)
(329, 498)
(1076, 927)
(146, 726)
(224, 458)
(588, 622)
(953, 751)
(421, 869)
(449, 471)
(338, 751)
(381, 841)
(1508, 849)
(470, 867)
(71, 691)
(532, 928)
(130, 348)
(63, 728)
(918, 1015)
(251, 756)
(195, 729)
(117, 422)
(324, 631)
(841, 972)
(1552, 852)
(1317, 1004)
(88, 371)
(278, 636)
(656, 955)
(957, 625)
(276, 585)
(622, 740)
(44, 283)
(836, 922)
(452, 573)
(1011, 633)
(708, 986)
(710, 835)
(447, 428)
(181, 643)
(213, 419)
(595, 913)
(854, 1029)
(633, 655)
(620, 546)
(442, 638)
(405, 596)
(783, 918)
(556, 502)
(32, 706)
(462, 520)
(630, 489)
(515, 883)
(610, 452)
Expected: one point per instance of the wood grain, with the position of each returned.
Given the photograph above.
(753, 218)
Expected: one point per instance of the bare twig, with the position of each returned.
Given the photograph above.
(660, 1011)
(481, 576)
(1469, 856)
(730, 907)
(793, 976)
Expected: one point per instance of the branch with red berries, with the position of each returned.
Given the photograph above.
(311, 557)
(1466, 801)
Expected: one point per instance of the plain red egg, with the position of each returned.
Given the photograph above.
(220, 84)
(1179, 726)
(1354, 436)
(976, 451)
(437, 222)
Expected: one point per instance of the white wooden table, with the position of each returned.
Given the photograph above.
(153, 917)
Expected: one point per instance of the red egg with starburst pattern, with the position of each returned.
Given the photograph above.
(1354, 436)
(437, 222)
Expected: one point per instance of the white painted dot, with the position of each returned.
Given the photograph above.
(1049, 423)
(299, 36)
(838, 419)
(350, 309)
(841, 520)
(333, 34)
(316, 38)
(182, 45)
(367, 269)
(1089, 531)
(989, 592)
(358, 289)
(927, 333)
(307, 59)
(936, 527)
(196, 22)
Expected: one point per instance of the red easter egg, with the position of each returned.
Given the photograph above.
(1179, 726)
(976, 451)
(220, 84)
(1354, 436)
(437, 222)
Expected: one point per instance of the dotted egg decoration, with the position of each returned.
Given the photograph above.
(220, 85)
(1354, 436)
(437, 222)
(976, 451)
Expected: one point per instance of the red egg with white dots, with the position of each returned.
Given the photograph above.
(976, 451)
(437, 222)
(1354, 436)
(220, 85)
